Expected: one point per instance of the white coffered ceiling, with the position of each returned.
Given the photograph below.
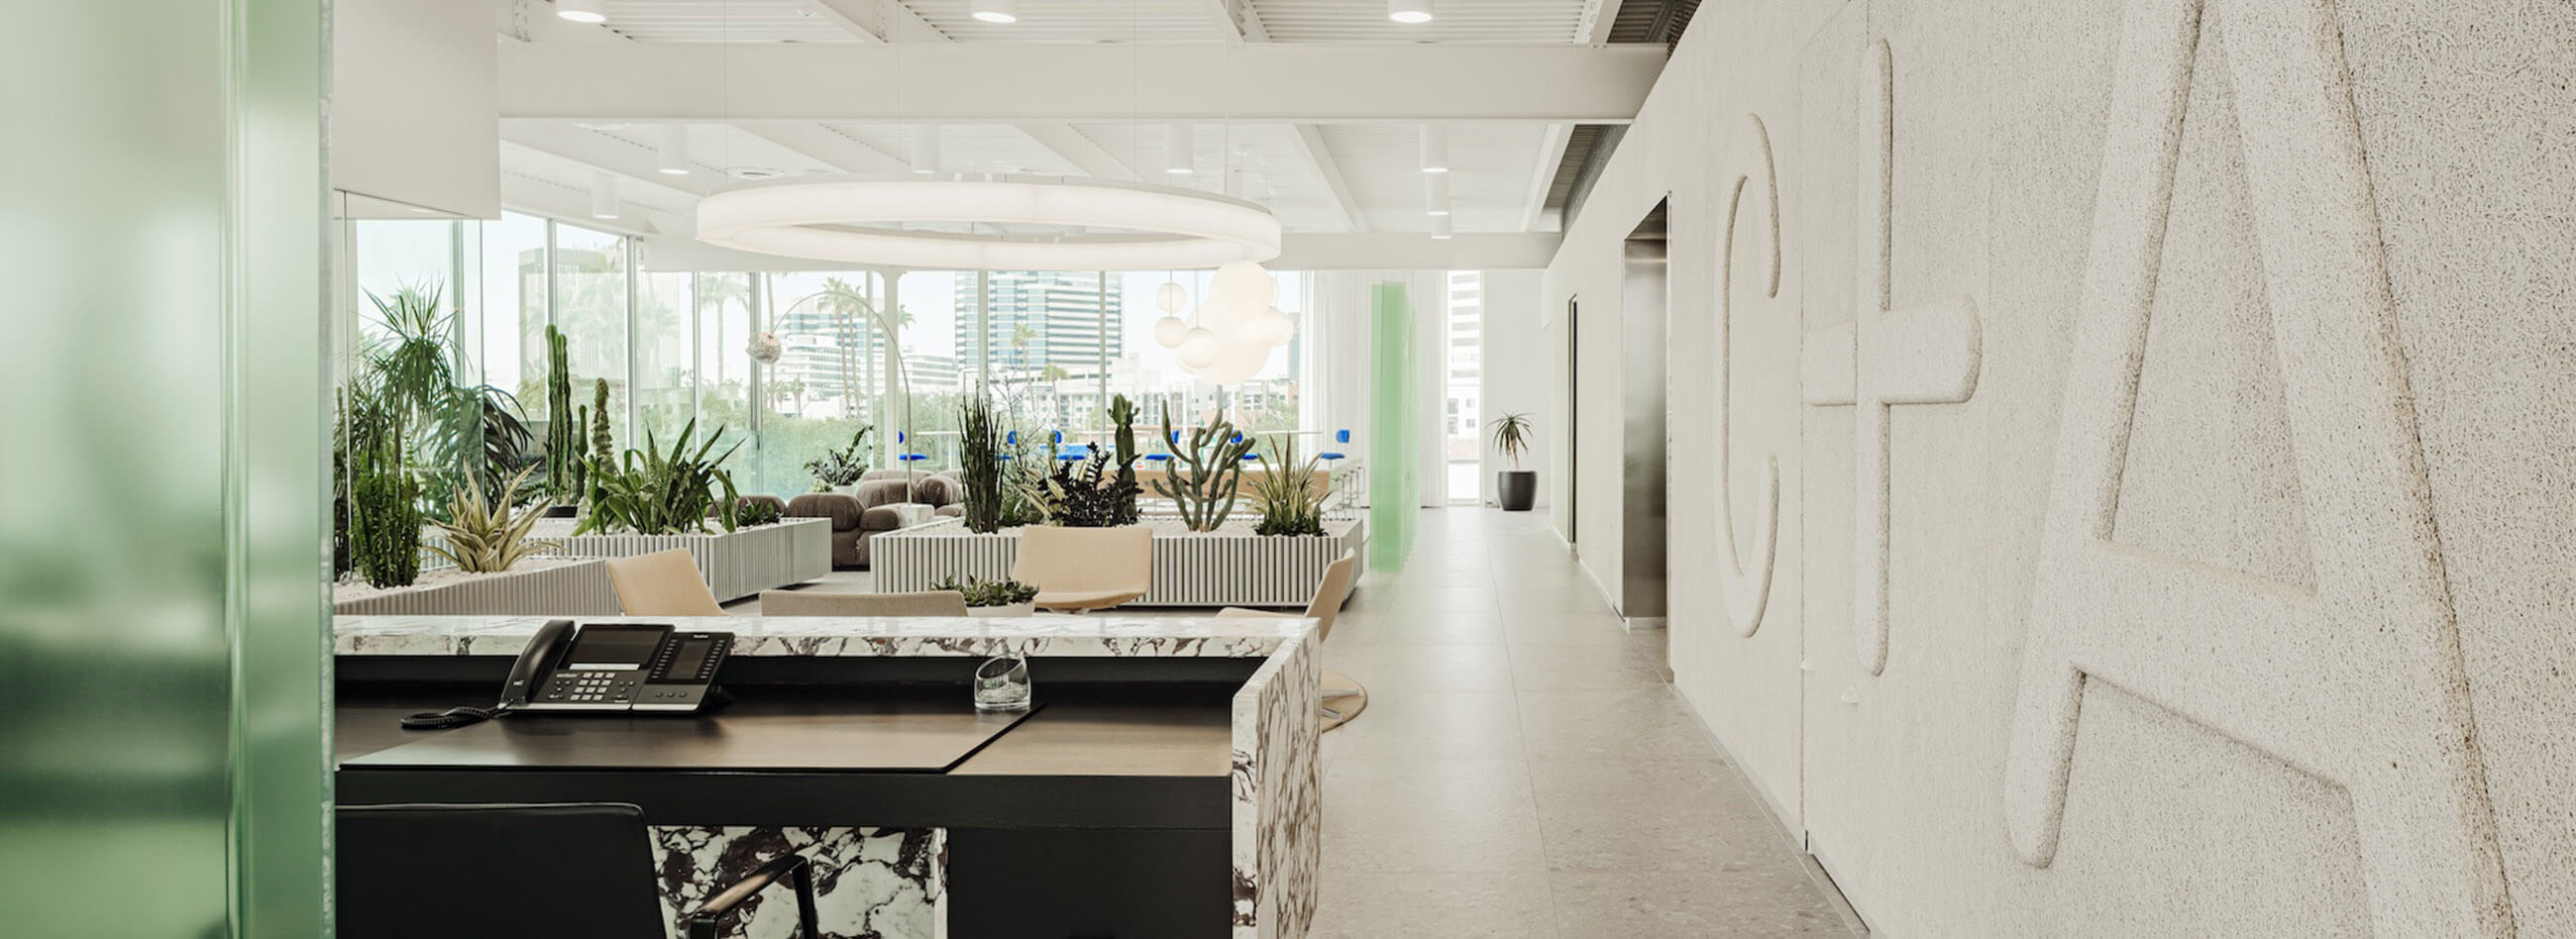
(1341, 154)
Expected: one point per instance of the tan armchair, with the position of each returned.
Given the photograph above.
(1085, 568)
(1343, 698)
(811, 603)
(663, 583)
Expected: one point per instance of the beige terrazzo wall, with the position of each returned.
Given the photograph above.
(2176, 503)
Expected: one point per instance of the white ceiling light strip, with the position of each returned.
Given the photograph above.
(1010, 222)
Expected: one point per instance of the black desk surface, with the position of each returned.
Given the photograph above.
(810, 759)
(898, 735)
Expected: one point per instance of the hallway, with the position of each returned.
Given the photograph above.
(1523, 769)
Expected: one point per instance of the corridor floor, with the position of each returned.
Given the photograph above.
(1523, 769)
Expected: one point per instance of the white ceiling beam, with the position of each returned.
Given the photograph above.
(1383, 251)
(865, 20)
(820, 144)
(1233, 30)
(539, 197)
(1300, 83)
(1310, 145)
(1089, 157)
(1594, 28)
(640, 165)
(1247, 27)
(1551, 152)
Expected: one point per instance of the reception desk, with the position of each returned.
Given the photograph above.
(1165, 783)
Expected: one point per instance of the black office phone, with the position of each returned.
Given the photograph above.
(571, 668)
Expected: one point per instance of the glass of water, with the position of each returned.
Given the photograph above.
(1002, 684)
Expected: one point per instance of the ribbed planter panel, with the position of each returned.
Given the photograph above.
(736, 564)
(576, 589)
(1189, 569)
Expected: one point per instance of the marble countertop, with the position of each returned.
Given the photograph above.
(1093, 635)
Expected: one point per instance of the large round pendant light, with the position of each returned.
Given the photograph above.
(1409, 11)
(1017, 223)
(995, 11)
(581, 11)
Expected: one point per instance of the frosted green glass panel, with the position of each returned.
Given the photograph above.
(1393, 449)
(163, 660)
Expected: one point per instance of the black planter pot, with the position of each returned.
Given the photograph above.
(1517, 489)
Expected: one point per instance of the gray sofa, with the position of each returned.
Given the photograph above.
(857, 518)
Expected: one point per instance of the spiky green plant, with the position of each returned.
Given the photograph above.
(1203, 479)
(1290, 502)
(844, 466)
(980, 444)
(601, 444)
(486, 536)
(655, 493)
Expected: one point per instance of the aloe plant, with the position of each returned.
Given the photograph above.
(486, 536)
(1512, 433)
(1202, 481)
(1290, 503)
(651, 492)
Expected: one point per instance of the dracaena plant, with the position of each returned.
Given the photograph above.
(651, 492)
(487, 535)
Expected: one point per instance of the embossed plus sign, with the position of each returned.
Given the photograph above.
(1925, 354)
(2358, 680)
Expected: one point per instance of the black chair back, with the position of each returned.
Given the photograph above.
(495, 872)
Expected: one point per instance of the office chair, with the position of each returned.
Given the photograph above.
(521, 872)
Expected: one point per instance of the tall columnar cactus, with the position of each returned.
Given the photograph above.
(563, 433)
(601, 444)
(1123, 412)
(1203, 479)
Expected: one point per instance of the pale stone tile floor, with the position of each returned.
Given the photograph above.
(1523, 769)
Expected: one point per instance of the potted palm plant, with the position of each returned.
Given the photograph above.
(1515, 488)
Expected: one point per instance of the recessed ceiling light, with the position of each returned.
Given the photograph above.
(581, 11)
(1409, 11)
(754, 172)
(996, 11)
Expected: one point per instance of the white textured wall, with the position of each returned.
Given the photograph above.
(2215, 379)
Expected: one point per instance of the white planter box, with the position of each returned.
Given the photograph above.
(543, 587)
(735, 564)
(1016, 609)
(1232, 567)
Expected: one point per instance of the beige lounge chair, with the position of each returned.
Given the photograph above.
(811, 603)
(1084, 569)
(663, 583)
(1343, 698)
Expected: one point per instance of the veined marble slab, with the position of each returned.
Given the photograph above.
(1071, 636)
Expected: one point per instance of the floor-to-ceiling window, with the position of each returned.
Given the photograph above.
(1462, 444)
(590, 307)
(858, 350)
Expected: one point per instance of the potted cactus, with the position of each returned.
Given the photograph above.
(1515, 488)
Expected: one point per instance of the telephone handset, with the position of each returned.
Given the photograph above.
(621, 667)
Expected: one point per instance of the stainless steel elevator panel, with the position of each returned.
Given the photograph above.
(1645, 299)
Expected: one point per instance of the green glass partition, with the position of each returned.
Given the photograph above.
(163, 647)
(1393, 447)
